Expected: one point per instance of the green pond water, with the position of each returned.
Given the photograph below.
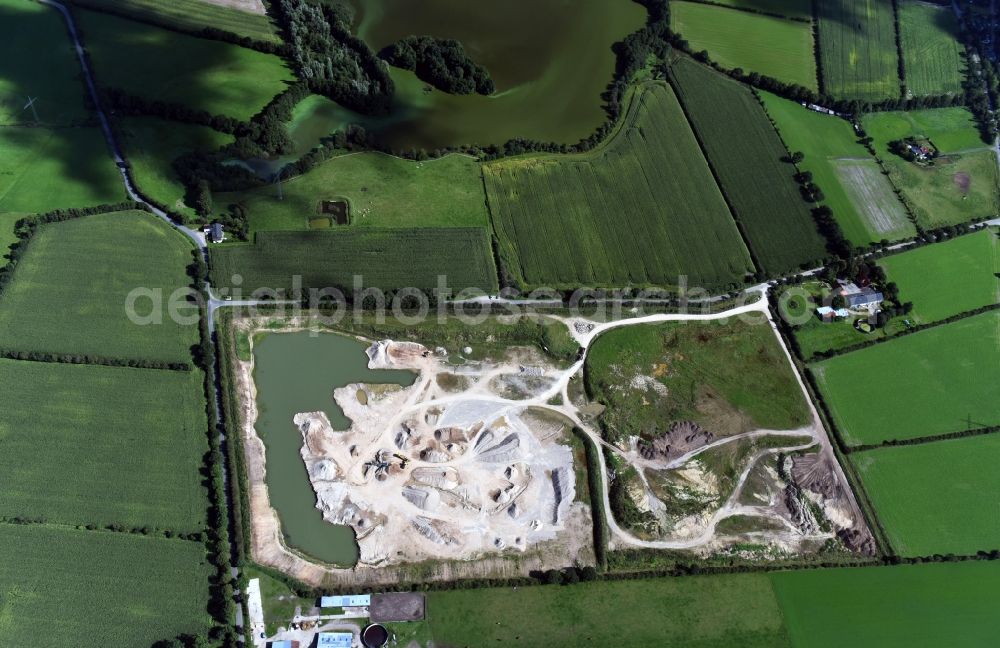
(550, 60)
(297, 372)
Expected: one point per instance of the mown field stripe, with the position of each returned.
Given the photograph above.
(745, 152)
(642, 207)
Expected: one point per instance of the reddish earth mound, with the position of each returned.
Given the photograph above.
(962, 181)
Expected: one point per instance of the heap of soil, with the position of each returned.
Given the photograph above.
(815, 473)
(681, 438)
(858, 540)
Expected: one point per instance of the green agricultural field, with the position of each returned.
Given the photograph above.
(830, 146)
(958, 188)
(729, 378)
(60, 162)
(151, 145)
(935, 497)
(948, 278)
(37, 60)
(42, 169)
(205, 74)
(58, 585)
(69, 291)
(126, 445)
(865, 183)
(732, 610)
(382, 190)
(951, 130)
(194, 15)
(962, 184)
(379, 257)
(858, 49)
(796, 9)
(932, 382)
(642, 208)
(775, 47)
(745, 152)
(932, 55)
(947, 604)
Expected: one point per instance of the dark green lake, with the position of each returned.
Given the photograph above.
(550, 60)
(297, 372)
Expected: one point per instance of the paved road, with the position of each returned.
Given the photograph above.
(197, 237)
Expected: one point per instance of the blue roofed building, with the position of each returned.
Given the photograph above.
(350, 600)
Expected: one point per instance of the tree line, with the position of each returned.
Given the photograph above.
(89, 359)
(947, 436)
(441, 62)
(217, 539)
(128, 104)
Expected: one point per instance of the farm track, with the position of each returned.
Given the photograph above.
(731, 507)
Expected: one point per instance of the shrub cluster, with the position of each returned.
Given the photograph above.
(443, 63)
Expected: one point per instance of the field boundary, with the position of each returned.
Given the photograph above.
(900, 63)
(931, 438)
(114, 529)
(817, 50)
(86, 359)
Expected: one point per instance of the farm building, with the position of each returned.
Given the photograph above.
(867, 298)
(351, 600)
(335, 640)
(215, 233)
(828, 313)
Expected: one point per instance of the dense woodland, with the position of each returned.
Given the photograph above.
(330, 59)
(442, 63)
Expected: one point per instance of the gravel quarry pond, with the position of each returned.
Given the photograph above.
(297, 372)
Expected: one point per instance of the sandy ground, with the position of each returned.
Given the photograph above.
(250, 6)
(425, 474)
(472, 533)
(428, 475)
